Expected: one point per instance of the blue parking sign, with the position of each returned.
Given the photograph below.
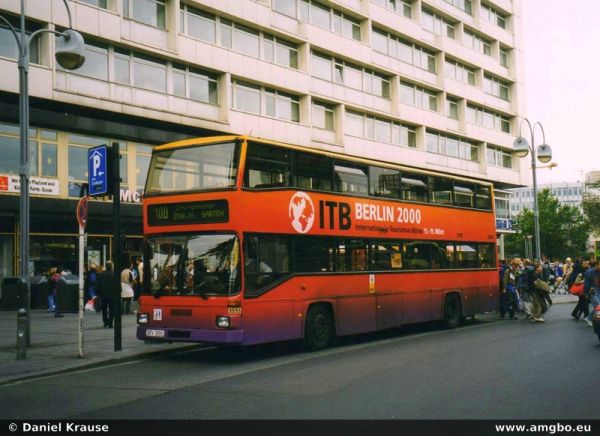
(97, 170)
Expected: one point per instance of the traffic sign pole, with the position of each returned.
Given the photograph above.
(116, 247)
(82, 217)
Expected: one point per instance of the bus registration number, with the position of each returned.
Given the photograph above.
(155, 333)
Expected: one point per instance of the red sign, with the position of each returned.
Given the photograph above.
(3, 183)
(82, 211)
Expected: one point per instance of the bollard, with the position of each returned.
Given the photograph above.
(21, 334)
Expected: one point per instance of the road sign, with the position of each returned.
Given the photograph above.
(82, 211)
(97, 170)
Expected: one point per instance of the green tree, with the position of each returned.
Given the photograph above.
(591, 205)
(563, 229)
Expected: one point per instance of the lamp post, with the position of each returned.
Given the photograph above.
(70, 55)
(544, 155)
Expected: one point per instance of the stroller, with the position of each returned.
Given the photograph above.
(560, 286)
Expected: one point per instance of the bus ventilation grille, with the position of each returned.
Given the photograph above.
(181, 312)
(179, 334)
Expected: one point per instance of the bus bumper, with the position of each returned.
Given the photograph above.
(190, 335)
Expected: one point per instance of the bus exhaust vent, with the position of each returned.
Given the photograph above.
(179, 334)
(181, 312)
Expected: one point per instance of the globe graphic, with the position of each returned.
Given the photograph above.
(302, 212)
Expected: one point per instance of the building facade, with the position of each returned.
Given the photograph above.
(433, 84)
(567, 193)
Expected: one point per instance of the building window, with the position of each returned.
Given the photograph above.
(379, 129)
(457, 71)
(477, 43)
(402, 7)
(42, 151)
(8, 44)
(265, 101)
(493, 16)
(279, 51)
(451, 146)
(240, 38)
(463, 5)
(96, 62)
(322, 116)
(452, 108)
(99, 3)
(487, 119)
(352, 76)
(210, 28)
(504, 57)
(151, 12)
(143, 154)
(403, 50)
(149, 73)
(496, 87)
(436, 24)
(417, 96)
(499, 158)
(198, 24)
(320, 15)
(195, 84)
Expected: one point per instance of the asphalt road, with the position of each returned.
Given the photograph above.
(485, 370)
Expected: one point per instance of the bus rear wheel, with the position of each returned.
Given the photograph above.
(452, 311)
(319, 328)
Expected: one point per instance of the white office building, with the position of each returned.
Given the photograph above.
(435, 84)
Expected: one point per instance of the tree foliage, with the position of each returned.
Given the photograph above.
(563, 229)
(591, 206)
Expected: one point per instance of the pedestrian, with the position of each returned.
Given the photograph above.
(591, 288)
(127, 288)
(510, 290)
(136, 272)
(582, 306)
(57, 281)
(92, 276)
(105, 291)
(540, 288)
(525, 286)
(52, 289)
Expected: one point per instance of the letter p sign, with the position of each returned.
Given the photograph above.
(97, 165)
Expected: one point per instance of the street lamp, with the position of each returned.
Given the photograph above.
(70, 54)
(544, 154)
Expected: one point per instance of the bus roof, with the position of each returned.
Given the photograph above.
(226, 138)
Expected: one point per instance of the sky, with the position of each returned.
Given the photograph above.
(562, 83)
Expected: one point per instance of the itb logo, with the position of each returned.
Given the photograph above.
(302, 212)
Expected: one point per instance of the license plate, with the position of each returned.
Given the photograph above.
(155, 333)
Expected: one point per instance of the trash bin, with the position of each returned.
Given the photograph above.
(13, 293)
(39, 292)
(67, 295)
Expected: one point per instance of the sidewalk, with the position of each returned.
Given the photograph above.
(54, 344)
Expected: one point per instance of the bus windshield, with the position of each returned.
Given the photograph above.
(200, 265)
(193, 168)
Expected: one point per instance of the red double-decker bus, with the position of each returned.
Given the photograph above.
(250, 241)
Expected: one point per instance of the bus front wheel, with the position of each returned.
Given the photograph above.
(452, 311)
(319, 329)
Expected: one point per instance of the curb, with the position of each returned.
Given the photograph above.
(97, 364)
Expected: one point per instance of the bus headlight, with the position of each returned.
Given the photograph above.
(142, 318)
(223, 321)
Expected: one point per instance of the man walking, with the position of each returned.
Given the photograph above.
(590, 288)
(104, 288)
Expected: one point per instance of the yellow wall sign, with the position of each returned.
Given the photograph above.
(371, 282)
(396, 260)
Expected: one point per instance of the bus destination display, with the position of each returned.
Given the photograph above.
(196, 212)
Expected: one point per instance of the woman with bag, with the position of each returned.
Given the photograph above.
(540, 289)
(509, 293)
(126, 290)
(582, 306)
